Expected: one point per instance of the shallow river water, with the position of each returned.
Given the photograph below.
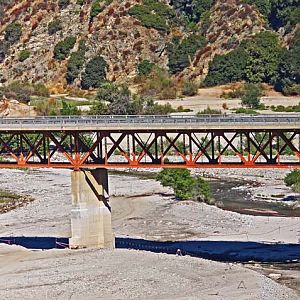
(241, 200)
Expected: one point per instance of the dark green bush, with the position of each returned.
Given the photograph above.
(13, 32)
(98, 6)
(63, 3)
(54, 26)
(288, 79)
(94, 74)
(63, 48)
(264, 6)
(255, 61)
(148, 18)
(251, 95)
(75, 63)
(293, 179)
(4, 49)
(227, 68)
(69, 109)
(145, 67)
(184, 185)
(181, 53)
(24, 54)
(154, 14)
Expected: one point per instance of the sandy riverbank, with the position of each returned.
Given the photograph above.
(139, 210)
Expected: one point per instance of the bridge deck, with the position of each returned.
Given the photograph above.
(151, 142)
(145, 123)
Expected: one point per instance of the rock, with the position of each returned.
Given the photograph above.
(275, 276)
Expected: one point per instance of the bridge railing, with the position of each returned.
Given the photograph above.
(153, 118)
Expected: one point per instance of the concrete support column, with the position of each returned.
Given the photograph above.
(90, 216)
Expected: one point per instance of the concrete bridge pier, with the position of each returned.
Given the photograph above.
(91, 214)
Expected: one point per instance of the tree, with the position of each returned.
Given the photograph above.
(69, 109)
(263, 55)
(181, 53)
(254, 61)
(75, 63)
(63, 48)
(264, 6)
(284, 13)
(252, 94)
(201, 7)
(13, 32)
(145, 67)
(98, 6)
(95, 73)
(227, 68)
(289, 68)
(54, 26)
(99, 108)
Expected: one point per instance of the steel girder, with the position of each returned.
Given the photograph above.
(151, 149)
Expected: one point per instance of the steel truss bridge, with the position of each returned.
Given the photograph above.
(270, 141)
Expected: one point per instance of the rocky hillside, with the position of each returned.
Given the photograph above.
(72, 42)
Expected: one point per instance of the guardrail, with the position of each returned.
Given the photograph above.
(186, 119)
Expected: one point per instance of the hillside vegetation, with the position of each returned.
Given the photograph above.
(163, 47)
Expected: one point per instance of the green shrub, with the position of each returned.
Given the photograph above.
(148, 18)
(288, 79)
(24, 54)
(159, 84)
(246, 111)
(181, 53)
(190, 88)
(154, 14)
(145, 67)
(69, 109)
(94, 74)
(264, 6)
(99, 108)
(63, 48)
(252, 94)
(40, 90)
(63, 3)
(75, 63)
(184, 185)
(54, 26)
(227, 68)
(98, 6)
(292, 179)
(209, 111)
(254, 61)
(4, 49)
(13, 32)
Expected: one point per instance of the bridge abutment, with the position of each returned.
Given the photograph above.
(91, 214)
